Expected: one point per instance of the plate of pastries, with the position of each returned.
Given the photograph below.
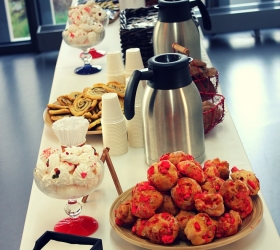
(86, 103)
(185, 205)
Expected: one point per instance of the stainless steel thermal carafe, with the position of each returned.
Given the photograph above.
(176, 25)
(171, 107)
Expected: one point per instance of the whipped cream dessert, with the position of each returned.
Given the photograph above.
(86, 24)
(69, 174)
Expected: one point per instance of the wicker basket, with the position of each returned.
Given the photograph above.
(137, 37)
(206, 79)
(206, 85)
(213, 110)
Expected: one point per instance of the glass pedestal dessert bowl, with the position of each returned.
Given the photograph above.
(70, 175)
(84, 41)
(86, 29)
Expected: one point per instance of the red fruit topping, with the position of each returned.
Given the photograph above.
(197, 226)
(83, 175)
(164, 157)
(119, 222)
(209, 222)
(252, 184)
(144, 199)
(151, 170)
(234, 169)
(167, 239)
(226, 215)
(166, 216)
(163, 167)
(188, 157)
(165, 164)
(87, 9)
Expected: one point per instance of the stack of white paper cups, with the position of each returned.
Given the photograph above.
(115, 67)
(114, 129)
(135, 125)
(133, 61)
(135, 129)
(131, 4)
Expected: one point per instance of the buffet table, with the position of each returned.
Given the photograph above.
(43, 212)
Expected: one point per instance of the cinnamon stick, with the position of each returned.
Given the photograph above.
(113, 172)
(106, 157)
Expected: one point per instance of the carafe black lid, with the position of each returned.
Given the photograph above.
(171, 11)
(170, 71)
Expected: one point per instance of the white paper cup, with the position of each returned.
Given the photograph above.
(114, 126)
(115, 65)
(115, 137)
(133, 61)
(135, 129)
(131, 4)
(120, 78)
(111, 108)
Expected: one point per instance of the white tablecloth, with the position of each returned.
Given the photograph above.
(43, 212)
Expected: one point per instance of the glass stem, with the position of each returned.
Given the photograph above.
(86, 57)
(73, 208)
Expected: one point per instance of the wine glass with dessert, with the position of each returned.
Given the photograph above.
(70, 174)
(86, 29)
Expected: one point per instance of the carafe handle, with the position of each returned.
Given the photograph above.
(131, 88)
(206, 20)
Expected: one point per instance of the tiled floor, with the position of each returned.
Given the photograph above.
(250, 81)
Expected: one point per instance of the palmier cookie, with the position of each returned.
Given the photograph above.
(95, 92)
(59, 111)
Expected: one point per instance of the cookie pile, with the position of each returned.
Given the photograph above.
(204, 77)
(87, 103)
(183, 200)
(213, 111)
